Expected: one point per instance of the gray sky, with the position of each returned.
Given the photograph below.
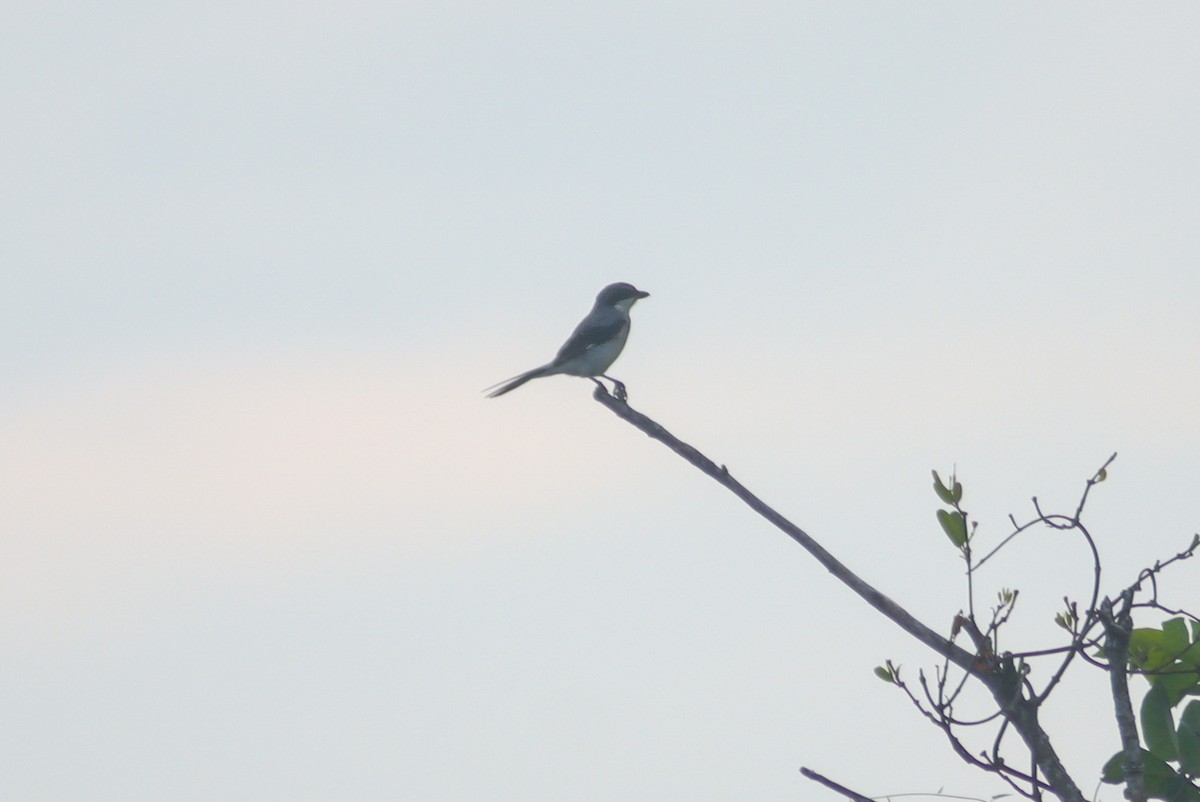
(264, 540)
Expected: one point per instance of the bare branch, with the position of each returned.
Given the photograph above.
(1090, 621)
(828, 783)
(1053, 520)
(1151, 574)
(879, 601)
(1100, 475)
(1017, 529)
(944, 723)
(1002, 679)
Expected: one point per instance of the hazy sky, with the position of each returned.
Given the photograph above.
(262, 538)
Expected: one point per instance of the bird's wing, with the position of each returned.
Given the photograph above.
(596, 329)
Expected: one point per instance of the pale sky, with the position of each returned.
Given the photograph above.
(263, 538)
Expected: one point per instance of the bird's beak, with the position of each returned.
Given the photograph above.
(642, 294)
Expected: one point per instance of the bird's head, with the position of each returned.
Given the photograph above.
(621, 295)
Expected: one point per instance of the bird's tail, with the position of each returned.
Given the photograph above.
(508, 385)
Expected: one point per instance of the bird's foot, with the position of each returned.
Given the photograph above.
(618, 390)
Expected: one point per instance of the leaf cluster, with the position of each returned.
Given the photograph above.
(1169, 659)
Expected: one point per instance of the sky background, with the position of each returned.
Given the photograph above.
(261, 536)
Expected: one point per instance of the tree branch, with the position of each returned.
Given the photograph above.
(1001, 678)
(1118, 627)
(828, 783)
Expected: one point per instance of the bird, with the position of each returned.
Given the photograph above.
(593, 346)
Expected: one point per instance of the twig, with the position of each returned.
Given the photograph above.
(1017, 529)
(940, 720)
(1090, 620)
(830, 784)
(1051, 520)
(1100, 475)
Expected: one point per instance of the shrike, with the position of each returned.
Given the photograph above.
(593, 346)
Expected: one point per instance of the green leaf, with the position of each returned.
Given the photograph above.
(1166, 783)
(1188, 736)
(1162, 781)
(943, 492)
(955, 527)
(1146, 649)
(1175, 637)
(1158, 728)
(1191, 716)
(1113, 772)
(1191, 657)
(1178, 681)
(884, 674)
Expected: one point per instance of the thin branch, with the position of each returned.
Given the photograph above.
(1168, 610)
(1151, 574)
(1043, 652)
(830, 784)
(1096, 479)
(924, 794)
(1008, 775)
(1091, 542)
(1003, 681)
(1000, 616)
(995, 756)
(944, 706)
(1051, 520)
(1018, 529)
(1062, 522)
(966, 550)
